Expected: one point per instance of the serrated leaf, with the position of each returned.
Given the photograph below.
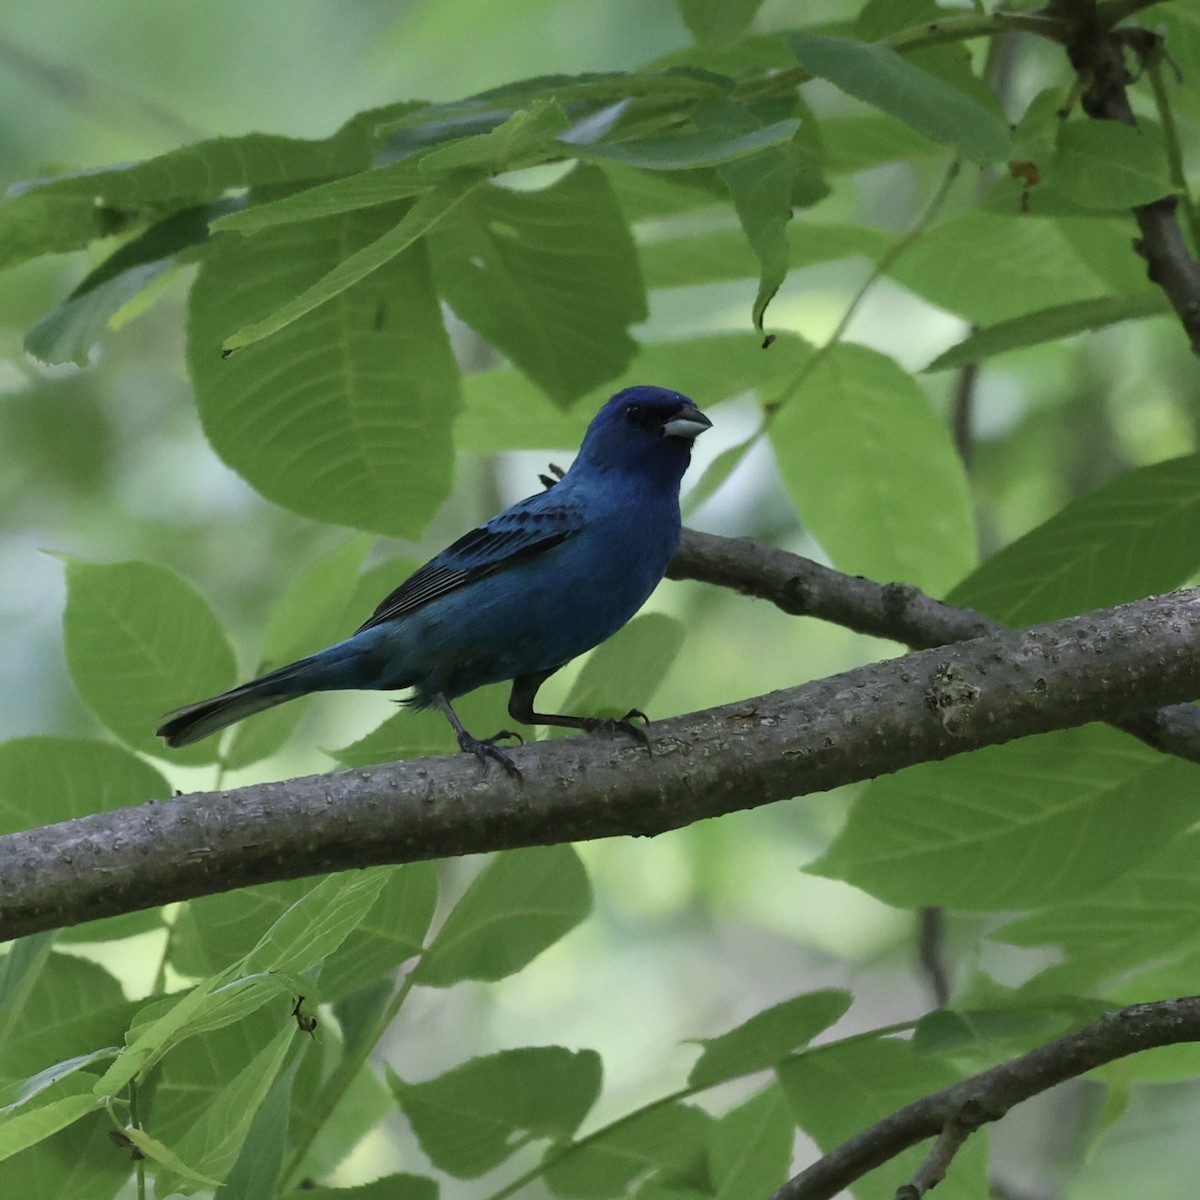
(1050, 324)
(1133, 537)
(1105, 164)
(951, 1031)
(609, 1161)
(520, 904)
(1015, 826)
(627, 670)
(139, 642)
(767, 1037)
(474, 1117)
(873, 472)
(839, 1090)
(879, 76)
(750, 1147)
(689, 151)
(426, 211)
(78, 1161)
(345, 415)
(548, 277)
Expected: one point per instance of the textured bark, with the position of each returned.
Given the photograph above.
(950, 1115)
(927, 705)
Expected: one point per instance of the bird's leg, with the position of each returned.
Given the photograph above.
(520, 708)
(482, 748)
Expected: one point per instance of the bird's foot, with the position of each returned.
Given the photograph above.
(486, 748)
(618, 725)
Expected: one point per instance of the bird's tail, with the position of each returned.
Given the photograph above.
(328, 670)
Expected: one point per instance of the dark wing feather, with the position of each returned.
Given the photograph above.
(527, 529)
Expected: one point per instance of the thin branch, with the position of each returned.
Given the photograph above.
(937, 1162)
(896, 611)
(989, 1095)
(871, 721)
(931, 952)
(1097, 52)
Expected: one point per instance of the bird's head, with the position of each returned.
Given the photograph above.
(644, 428)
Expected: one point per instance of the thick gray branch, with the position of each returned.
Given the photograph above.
(988, 1096)
(871, 721)
(896, 611)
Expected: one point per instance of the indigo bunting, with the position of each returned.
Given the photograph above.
(518, 597)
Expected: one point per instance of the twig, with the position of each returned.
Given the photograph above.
(931, 952)
(847, 728)
(937, 1162)
(991, 1094)
(898, 612)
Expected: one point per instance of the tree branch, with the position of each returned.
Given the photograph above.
(989, 1095)
(1097, 52)
(896, 611)
(870, 721)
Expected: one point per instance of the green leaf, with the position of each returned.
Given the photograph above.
(393, 930)
(1050, 324)
(21, 1092)
(48, 779)
(878, 75)
(520, 904)
(345, 415)
(1142, 916)
(211, 933)
(767, 1037)
(474, 1117)
(527, 134)
(750, 1147)
(256, 1172)
(69, 1101)
(989, 268)
(139, 642)
(317, 923)
(718, 22)
(951, 1031)
(213, 1142)
(68, 333)
(548, 277)
(1104, 164)
(1014, 826)
(873, 472)
(71, 1006)
(361, 1108)
(837, 1091)
(609, 1161)
(307, 617)
(65, 213)
(627, 670)
(79, 1161)
(1130, 538)
(688, 151)
(861, 142)
(426, 211)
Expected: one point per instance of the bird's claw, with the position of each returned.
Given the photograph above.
(486, 748)
(620, 725)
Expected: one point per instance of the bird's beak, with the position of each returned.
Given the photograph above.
(688, 423)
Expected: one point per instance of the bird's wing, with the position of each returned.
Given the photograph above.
(529, 528)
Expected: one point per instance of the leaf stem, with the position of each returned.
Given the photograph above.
(1154, 70)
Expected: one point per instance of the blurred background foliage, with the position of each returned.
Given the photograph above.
(700, 929)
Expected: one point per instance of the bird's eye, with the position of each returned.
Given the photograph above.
(633, 414)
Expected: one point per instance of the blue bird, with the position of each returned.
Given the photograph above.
(518, 597)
